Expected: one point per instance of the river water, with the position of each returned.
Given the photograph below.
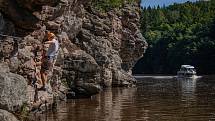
(154, 99)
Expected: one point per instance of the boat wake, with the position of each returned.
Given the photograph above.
(163, 77)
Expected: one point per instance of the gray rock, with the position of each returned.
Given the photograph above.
(90, 88)
(81, 61)
(52, 25)
(7, 47)
(25, 54)
(107, 77)
(4, 68)
(38, 99)
(122, 78)
(62, 95)
(6, 116)
(83, 90)
(13, 90)
(14, 64)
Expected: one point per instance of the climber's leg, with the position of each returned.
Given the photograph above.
(45, 69)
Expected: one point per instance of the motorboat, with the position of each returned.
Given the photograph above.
(187, 71)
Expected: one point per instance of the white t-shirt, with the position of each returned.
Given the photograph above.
(53, 48)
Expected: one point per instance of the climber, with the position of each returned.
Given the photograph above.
(48, 59)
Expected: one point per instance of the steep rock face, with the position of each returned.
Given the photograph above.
(116, 41)
(97, 48)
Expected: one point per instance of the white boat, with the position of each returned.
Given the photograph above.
(187, 71)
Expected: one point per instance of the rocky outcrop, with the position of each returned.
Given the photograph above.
(13, 90)
(6, 116)
(98, 49)
(117, 42)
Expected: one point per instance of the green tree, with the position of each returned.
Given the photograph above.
(179, 34)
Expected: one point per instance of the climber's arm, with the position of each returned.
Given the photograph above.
(48, 42)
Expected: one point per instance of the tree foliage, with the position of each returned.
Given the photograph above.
(106, 5)
(179, 34)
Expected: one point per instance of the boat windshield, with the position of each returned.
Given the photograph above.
(187, 68)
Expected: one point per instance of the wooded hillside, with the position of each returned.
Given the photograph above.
(179, 34)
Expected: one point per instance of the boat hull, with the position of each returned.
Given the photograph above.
(188, 77)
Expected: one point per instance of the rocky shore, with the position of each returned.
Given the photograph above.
(97, 50)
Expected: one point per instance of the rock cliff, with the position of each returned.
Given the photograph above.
(98, 49)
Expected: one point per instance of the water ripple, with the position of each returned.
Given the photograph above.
(158, 99)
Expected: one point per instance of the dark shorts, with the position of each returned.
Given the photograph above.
(47, 64)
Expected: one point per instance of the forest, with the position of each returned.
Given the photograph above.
(178, 34)
(107, 5)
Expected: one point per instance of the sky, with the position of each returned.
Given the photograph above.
(146, 3)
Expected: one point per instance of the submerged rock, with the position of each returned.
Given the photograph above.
(84, 90)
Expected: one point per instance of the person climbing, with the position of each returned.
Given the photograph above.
(48, 59)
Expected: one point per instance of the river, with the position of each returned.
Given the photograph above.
(154, 99)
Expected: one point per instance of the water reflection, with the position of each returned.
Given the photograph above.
(188, 87)
(159, 99)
